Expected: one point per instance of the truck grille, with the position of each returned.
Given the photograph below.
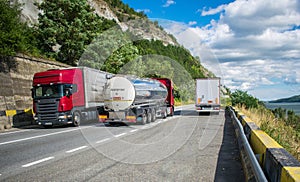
(47, 110)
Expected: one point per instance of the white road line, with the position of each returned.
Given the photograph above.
(145, 127)
(37, 162)
(119, 135)
(40, 136)
(12, 132)
(134, 130)
(104, 140)
(76, 149)
(153, 124)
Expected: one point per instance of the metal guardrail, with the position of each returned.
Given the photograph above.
(258, 172)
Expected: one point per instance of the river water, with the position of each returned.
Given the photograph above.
(295, 106)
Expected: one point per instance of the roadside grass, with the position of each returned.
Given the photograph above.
(179, 102)
(225, 101)
(287, 136)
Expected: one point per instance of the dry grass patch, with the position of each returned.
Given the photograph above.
(282, 133)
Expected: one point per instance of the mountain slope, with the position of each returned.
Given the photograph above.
(134, 25)
(115, 10)
(295, 98)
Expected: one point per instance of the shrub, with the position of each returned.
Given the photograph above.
(243, 98)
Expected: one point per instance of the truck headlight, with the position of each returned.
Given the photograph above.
(62, 117)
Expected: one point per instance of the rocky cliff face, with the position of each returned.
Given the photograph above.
(16, 82)
(103, 10)
(151, 31)
(29, 10)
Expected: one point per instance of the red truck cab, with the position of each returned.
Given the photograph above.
(55, 93)
(170, 99)
(67, 96)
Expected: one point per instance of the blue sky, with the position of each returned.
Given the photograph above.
(253, 45)
(177, 10)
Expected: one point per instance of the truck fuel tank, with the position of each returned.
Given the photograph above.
(122, 92)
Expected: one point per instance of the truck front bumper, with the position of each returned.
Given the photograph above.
(61, 119)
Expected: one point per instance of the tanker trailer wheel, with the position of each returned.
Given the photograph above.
(153, 115)
(165, 114)
(76, 118)
(172, 111)
(149, 115)
(144, 117)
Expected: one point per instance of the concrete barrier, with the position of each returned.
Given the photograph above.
(16, 118)
(277, 163)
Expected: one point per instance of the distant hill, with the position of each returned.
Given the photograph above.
(295, 98)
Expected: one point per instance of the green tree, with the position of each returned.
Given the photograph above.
(66, 27)
(106, 48)
(12, 30)
(120, 57)
(243, 98)
(15, 36)
(180, 54)
(123, 11)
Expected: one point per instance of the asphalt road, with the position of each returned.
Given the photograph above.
(185, 147)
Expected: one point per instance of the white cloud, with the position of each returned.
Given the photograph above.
(191, 23)
(169, 3)
(254, 16)
(212, 11)
(256, 43)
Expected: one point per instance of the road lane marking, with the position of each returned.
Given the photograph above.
(134, 130)
(160, 121)
(104, 140)
(12, 132)
(37, 162)
(146, 127)
(119, 135)
(41, 136)
(76, 149)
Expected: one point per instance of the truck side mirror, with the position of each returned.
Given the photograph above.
(68, 92)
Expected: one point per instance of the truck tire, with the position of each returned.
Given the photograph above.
(149, 116)
(76, 118)
(153, 118)
(172, 111)
(165, 114)
(144, 118)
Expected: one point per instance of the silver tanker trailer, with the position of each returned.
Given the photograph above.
(129, 99)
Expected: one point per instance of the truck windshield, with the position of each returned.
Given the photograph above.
(48, 91)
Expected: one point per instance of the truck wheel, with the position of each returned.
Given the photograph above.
(153, 115)
(172, 111)
(165, 114)
(76, 118)
(149, 116)
(144, 118)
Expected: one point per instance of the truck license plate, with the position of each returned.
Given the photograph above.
(117, 115)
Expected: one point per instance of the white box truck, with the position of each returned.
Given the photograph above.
(208, 95)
